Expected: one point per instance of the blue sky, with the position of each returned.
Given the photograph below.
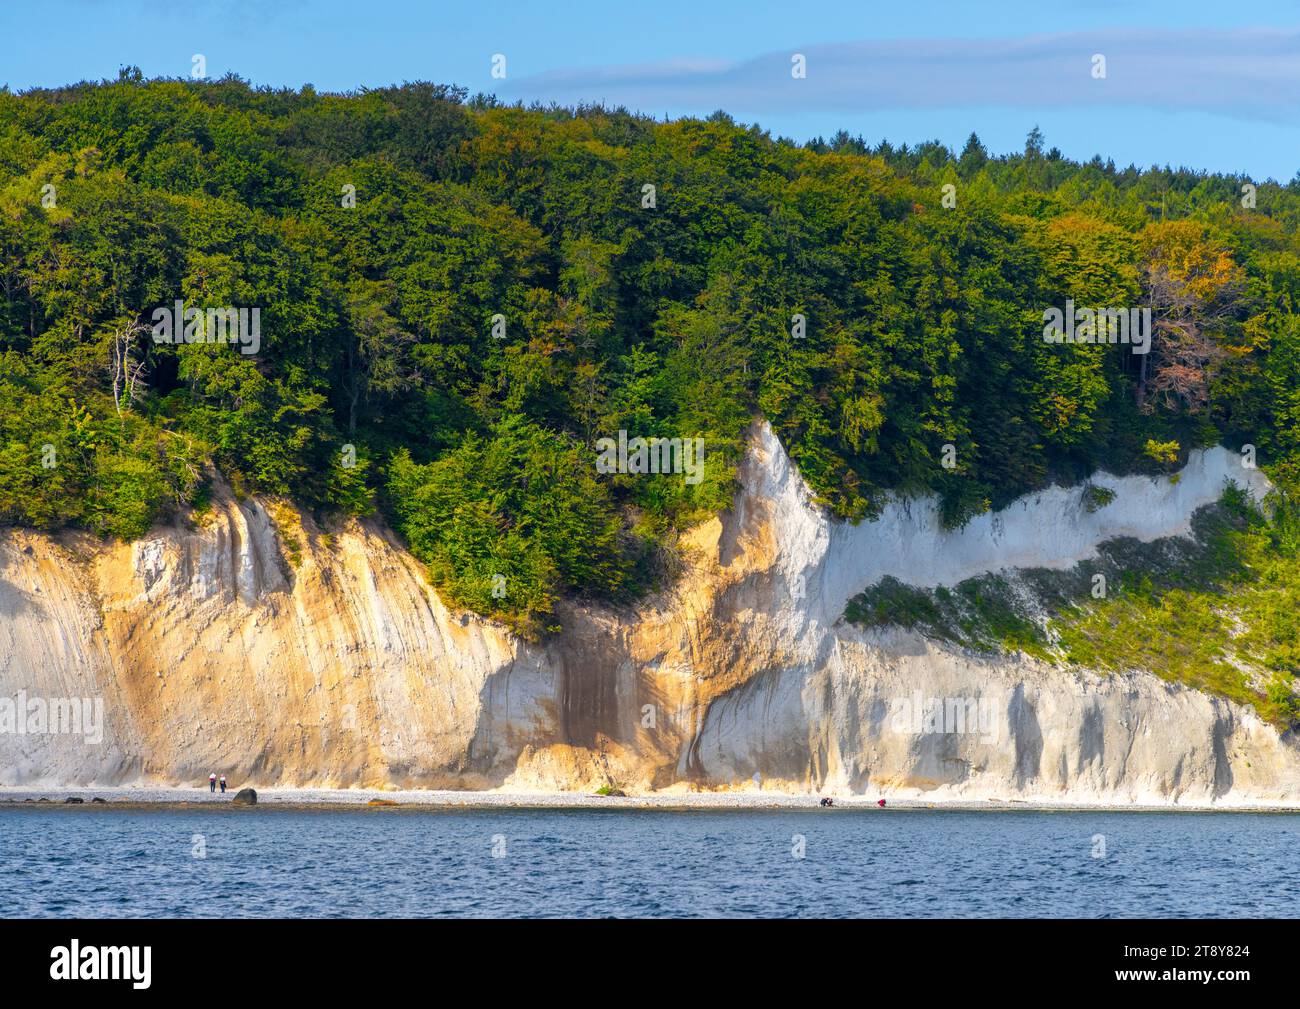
(1208, 85)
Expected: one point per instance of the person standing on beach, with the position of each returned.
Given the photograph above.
(212, 782)
(223, 784)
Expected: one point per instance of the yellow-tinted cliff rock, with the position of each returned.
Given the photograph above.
(212, 650)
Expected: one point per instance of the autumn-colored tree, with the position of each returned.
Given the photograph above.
(1191, 286)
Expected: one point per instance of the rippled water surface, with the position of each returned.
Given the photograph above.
(594, 863)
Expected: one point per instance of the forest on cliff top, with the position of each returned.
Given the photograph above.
(457, 299)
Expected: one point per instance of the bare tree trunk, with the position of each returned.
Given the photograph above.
(1142, 366)
(126, 369)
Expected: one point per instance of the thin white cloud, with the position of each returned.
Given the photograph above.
(1248, 73)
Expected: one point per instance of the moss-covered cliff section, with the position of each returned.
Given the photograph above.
(1218, 610)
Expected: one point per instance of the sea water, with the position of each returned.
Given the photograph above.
(267, 862)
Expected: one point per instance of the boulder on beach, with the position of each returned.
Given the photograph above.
(245, 797)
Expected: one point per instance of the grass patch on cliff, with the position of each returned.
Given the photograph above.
(1219, 610)
(980, 613)
(287, 526)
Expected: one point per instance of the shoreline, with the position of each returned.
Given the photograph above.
(135, 797)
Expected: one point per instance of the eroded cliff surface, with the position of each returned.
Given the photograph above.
(211, 651)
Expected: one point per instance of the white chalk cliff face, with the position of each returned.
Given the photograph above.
(211, 652)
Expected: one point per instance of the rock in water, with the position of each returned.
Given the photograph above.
(245, 797)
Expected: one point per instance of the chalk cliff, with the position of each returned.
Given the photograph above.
(211, 650)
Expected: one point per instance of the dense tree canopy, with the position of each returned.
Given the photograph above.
(458, 299)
